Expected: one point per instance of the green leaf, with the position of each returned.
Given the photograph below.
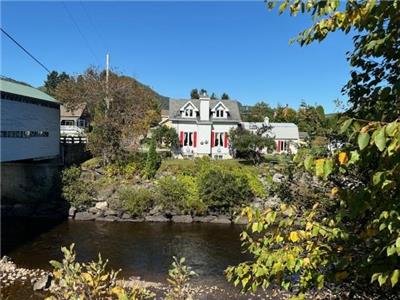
(363, 140)
(395, 277)
(380, 139)
(346, 124)
(391, 128)
(382, 279)
(377, 178)
(308, 162)
(354, 157)
(328, 167)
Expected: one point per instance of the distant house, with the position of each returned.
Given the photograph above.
(165, 121)
(203, 126)
(30, 123)
(286, 135)
(304, 138)
(74, 122)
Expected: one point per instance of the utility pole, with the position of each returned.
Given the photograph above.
(107, 75)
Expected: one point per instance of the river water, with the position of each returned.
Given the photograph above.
(139, 249)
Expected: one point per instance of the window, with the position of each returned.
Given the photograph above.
(218, 157)
(219, 139)
(219, 113)
(188, 139)
(67, 122)
(283, 146)
(189, 112)
(82, 123)
(23, 134)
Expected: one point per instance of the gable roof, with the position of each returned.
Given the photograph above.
(187, 104)
(278, 130)
(232, 106)
(77, 112)
(24, 90)
(218, 104)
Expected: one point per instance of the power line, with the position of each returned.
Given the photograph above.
(26, 51)
(80, 32)
(100, 36)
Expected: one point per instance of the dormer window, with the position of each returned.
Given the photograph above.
(189, 110)
(220, 111)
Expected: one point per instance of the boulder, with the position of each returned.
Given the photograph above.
(135, 220)
(222, 220)
(110, 212)
(72, 211)
(182, 219)
(278, 178)
(103, 205)
(107, 219)
(241, 220)
(155, 210)
(84, 216)
(126, 216)
(42, 283)
(93, 210)
(272, 202)
(205, 219)
(157, 218)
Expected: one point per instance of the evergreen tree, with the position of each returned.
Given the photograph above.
(213, 96)
(194, 94)
(225, 96)
(153, 161)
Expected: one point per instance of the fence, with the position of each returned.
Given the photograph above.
(73, 140)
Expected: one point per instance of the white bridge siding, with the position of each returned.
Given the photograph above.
(17, 116)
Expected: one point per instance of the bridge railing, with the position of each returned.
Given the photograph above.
(73, 140)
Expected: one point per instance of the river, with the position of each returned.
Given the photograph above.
(139, 249)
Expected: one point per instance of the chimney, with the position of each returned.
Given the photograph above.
(204, 107)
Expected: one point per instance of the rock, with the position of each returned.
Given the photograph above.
(155, 210)
(157, 218)
(110, 212)
(135, 220)
(126, 216)
(278, 178)
(93, 210)
(103, 205)
(107, 219)
(272, 202)
(42, 283)
(84, 216)
(222, 220)
(182, 219)
(241, 220)
(205, 219)
(72, 211)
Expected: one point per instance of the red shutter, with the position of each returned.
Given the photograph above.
(277, 146)
(226, 140)
(212, 139)
(181, 138)
(195, 139)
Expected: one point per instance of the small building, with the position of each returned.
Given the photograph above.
(203, 126)
(30, 123)
(286, 135)
(74, 122)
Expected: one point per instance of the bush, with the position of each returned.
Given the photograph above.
(92, 163)
(178, 166)
(192, 203)
(74, 190)
(136, 200)
(221, 190)
(171, 194)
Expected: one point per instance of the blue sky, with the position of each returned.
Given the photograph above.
(236, 47)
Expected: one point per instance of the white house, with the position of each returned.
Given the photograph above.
(286, 135)
(30, 123)
(74, 122)
(203, 126)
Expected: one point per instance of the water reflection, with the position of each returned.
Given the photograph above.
(143, 249)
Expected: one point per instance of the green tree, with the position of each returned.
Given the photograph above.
(194, 94)
(213, 96)
(153, 161)
(203, 92)
(165, 136)
(354, 235)
(53, 80)
(249, 145)
(261, 110)
(225, 96)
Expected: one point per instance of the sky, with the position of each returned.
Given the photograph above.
(240, 48)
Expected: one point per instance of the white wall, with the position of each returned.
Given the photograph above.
(20, 116)
(203, 135)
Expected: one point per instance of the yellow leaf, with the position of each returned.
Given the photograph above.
(319, 167)
(88, 278)
(294, 237)
(309, 225)
(343, 158)
(306, 261)
(334, 191)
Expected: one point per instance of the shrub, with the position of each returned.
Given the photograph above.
(74, 190)
(171, 194)
(222, 190)
(153, 161)
(136, 200)
(178, 166)
(192, 202)
(178, 277)
(92, 163)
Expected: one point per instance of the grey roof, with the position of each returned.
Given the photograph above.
(304, 135)
(232, 105)
(24, 90)
(284, 131)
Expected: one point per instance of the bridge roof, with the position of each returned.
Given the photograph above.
(24, 90)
